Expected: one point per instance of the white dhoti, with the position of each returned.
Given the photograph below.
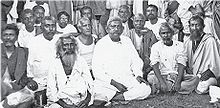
(136, 91)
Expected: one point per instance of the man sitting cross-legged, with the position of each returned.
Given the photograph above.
(168, 62)
(117, 67)
(69, 83)
(203, 55)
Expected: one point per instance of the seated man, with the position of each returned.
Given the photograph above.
(41, 51)
(143, 39)
(13, 65)
(63, 25)
(117, 67)
(69, 83)
(168, 62)
(203, 55)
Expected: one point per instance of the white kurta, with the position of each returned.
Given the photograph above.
(41, 51)
(72, 90)
(155, 27)
(24, 36)
(121, 62)
(168, 56)
(68, 29)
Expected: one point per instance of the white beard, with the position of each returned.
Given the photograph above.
(69, 59)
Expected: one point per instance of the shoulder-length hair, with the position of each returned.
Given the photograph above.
(59, 43)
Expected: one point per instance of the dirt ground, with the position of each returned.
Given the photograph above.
(169, 100)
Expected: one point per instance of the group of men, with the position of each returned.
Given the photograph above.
(129, 62)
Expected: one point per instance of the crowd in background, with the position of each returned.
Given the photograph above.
(88, 53)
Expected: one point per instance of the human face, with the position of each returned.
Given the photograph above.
(49, 29)
(196, 29)
(28, 19)
(87, 13)
(166, 35)
(39, 15)
(68, 46)
(115, 29)
(86, 27)
(63, 21)
(9, 37)
(151, 13)
(124, 14)
(139, 22)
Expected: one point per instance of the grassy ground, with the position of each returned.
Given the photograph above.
(169, 100)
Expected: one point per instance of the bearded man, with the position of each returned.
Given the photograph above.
(203, 55)
(69, 83)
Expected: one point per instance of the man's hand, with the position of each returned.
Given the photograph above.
(32, 85)
(163, 87)
(140, 80)
(84, 103)
(119, 86)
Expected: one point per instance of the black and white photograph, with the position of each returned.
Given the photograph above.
(110, 54)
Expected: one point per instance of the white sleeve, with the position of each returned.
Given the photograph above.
(52, 90)
(86, 74)
(154, 56)
(98, 66)
(137, 63)
(30, 62)
(181, 56)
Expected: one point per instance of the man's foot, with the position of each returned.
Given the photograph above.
(154, 89)
(118, 97)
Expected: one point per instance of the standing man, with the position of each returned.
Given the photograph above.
(117, 67)
(203, 55)
(41, 51)
(39, 13)
(124, 13)
(27, 30)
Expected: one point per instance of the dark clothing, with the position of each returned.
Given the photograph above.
(17, 66)
(9, 62)
(216, 17)
(130, 24)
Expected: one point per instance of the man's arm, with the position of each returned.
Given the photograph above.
(178, 81)
(118, 85)
(163, 85)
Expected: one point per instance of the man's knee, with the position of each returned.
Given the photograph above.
(142, 92)
(146, 90)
